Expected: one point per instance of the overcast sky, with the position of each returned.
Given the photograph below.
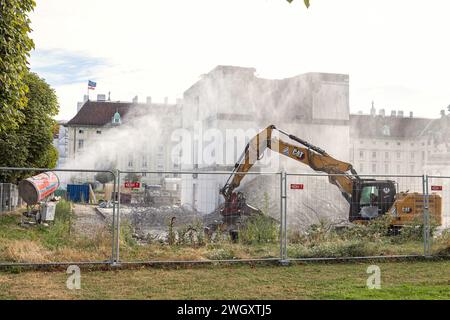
(396, 52)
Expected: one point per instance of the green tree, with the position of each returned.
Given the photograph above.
(30, 144)
(104, 177)
(38, 126)
(15, 45)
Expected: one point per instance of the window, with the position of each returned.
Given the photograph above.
(398, 143)
(398, 169)
(361, 167)
(80, 131)
(386, 155)
(369, 202)
(368, 194)
(412, 167)
(423, 155)
(130, 161)
(144, 161)
(80, 144)
(386, 143)
(374, 168)
(361, 154)
(374, 154)
(116, 118)
(412, 155)
(144, 174)
(99, 131)
(197, 107)
(386, 168)
(398, 154)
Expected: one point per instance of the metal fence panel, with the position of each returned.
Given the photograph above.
(54, 229)
(175, 216)
(318, 221)
(439, 231)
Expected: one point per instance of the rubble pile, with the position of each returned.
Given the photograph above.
(263, 192)
(152, 223)
(318, 201)
(160, 216)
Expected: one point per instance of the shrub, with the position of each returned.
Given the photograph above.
(258, 229)
(126, 234)
(414, 230)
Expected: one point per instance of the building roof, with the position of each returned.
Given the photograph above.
(377, 126)
(100, 113)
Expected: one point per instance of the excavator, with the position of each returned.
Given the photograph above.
(368, 198)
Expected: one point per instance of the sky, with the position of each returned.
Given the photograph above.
(396, 52)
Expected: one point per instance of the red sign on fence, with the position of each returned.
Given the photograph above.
(129, 184)
(436, 188)
(297, 186)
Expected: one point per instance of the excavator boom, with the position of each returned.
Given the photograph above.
(306, 153)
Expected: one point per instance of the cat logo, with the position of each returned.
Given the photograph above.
(299, 154)
(386, 190)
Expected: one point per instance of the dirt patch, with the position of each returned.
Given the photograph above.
(88, 222)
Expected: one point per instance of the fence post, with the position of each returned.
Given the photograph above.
(425, 217)
(118, 220)
(284, 218)
(281, 216)
(113, 230)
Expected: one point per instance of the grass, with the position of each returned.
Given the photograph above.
(61, 242)
(56, 243)
(399, 280)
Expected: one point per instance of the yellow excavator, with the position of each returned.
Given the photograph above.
(368, 198)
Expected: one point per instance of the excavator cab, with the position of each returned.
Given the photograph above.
(371, 199)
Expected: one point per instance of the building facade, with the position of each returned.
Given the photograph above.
(130, 136)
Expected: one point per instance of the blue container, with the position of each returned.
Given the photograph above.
(78, 192)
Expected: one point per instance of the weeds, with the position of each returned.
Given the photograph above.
(259, 229)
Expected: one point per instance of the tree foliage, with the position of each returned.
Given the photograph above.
(104, 177)
(30, 144)
(305, 1)
(15, 45)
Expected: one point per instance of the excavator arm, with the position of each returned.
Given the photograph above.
(306, 153)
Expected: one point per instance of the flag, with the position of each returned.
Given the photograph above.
(92, 85)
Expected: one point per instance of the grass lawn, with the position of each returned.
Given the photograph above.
(399, 280)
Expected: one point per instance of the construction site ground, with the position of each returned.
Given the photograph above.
(88, 220)
(399, 280)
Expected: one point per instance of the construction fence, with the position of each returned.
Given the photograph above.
(126, 217)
